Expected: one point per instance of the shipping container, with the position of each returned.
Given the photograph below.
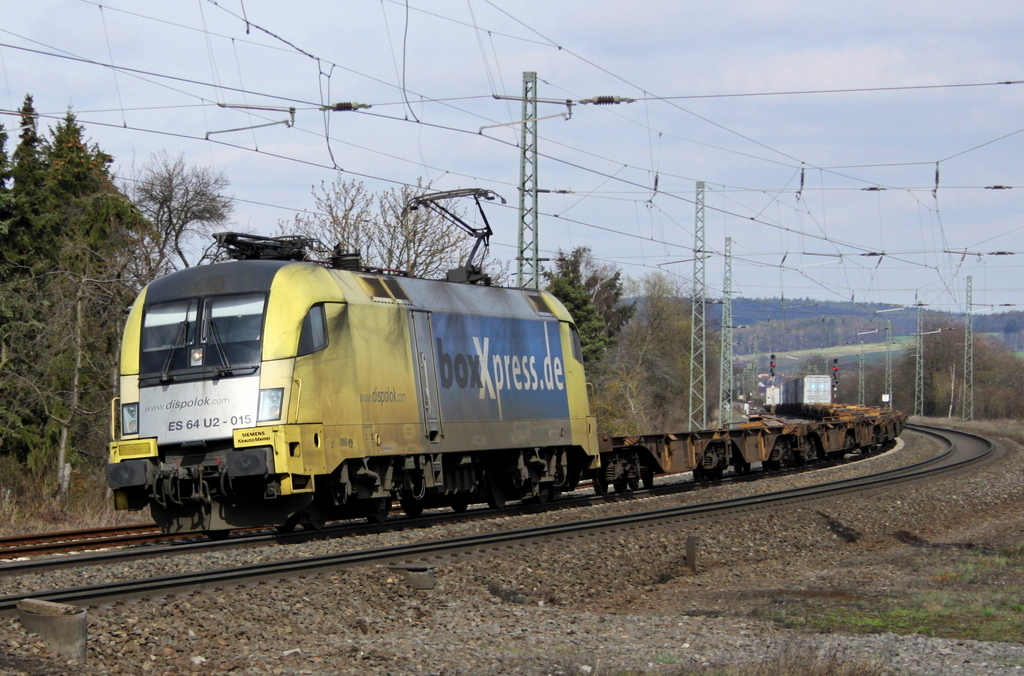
(807, 390)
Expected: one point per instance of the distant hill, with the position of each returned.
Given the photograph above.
(807, 324)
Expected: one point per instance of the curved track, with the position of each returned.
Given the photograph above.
(128, 543)
(962, 449)
(147, 541)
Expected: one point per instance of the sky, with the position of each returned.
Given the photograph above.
(869, 151)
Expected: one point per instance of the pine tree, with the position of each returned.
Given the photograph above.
(593, 295)
(67, 249)
(6, 201)
(23, 235)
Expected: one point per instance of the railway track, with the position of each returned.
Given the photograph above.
(70, 541)
(120, 544)
(145, 545)
(962, 449)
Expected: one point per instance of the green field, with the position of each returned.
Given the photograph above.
(873, 353)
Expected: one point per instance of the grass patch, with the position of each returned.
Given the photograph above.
(962, 594)
(796, 658)
(963, 618)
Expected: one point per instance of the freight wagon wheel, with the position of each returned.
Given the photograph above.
(600, 483)
(647, 477)
(377, 510)
(621, 485)
(460, 504)
(218, 534)
(412, 507)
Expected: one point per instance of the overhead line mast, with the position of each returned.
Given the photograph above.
(888, 362)
(968, 413)
(919, 363)
(698, 359)
(860, 377)
(527, 263)
(725, 365)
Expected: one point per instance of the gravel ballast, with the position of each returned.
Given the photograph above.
(598, 604)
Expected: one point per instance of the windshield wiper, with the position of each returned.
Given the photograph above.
(179, 342)
(225, 371)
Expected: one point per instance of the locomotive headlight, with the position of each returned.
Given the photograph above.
(130, 418)
(270, 405)
(196, 357)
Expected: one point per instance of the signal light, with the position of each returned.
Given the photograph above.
(772, 370)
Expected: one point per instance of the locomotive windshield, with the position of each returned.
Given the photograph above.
(202, 337)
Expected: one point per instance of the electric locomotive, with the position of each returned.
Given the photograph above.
(274, 390)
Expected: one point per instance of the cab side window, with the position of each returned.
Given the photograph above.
(577, 347)
(313, 336)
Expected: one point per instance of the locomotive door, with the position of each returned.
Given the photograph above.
(426, 374)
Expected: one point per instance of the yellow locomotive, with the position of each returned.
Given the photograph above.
(275, 390)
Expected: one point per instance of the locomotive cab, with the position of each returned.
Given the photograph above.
(194, 375)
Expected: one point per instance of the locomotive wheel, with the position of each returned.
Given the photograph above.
(313, 518)
(600, 484)
(496, 493)
(573, 478)
(544, 494)
(289, 525)
(378, 509)
(412, 507)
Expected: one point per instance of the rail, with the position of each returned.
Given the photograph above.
(971, 449)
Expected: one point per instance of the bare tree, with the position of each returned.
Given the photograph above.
(641, 384)
(343, 210)
(182, 202)
(387, 236)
